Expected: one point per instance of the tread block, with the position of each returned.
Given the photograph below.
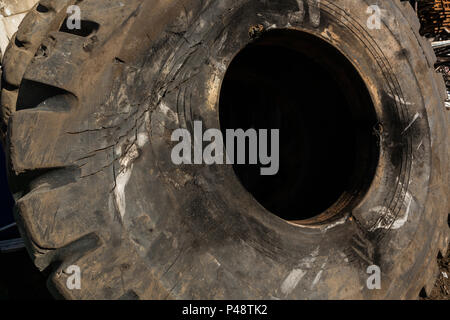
(33, 28)
(52, 64)
(55, 140)
(432, 275)
(441, 85)
(53, 215)
(56, 5)
(411, 15)
(111, 272)
(8, 103)
(15, 63)
(110, 16)
(41, 145)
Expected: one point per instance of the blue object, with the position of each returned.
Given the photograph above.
(6, 199)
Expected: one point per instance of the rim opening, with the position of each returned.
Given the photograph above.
(297, 83)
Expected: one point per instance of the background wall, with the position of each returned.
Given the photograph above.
(12, 13)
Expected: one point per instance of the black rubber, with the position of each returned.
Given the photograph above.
(87, 120)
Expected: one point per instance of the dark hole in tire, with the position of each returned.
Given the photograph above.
(86, 28)
(42, 9)
(301, 85)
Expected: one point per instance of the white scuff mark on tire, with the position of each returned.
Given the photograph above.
(119, 192)
(402, 220)
(400, 100)
(294, 277)
(385, 217)
(344, 256)
(219, 65)
(416, 116)
(126, 168)
(142, 139)
(388, 220)
(420, 144)
(123, 102)
(308, 261)
(292, 280)
(337, 223)
(168, 112)
(318, 276)
(316, 279)
(126, 164)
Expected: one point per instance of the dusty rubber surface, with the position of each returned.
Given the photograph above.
(441, 290)
(87, 119)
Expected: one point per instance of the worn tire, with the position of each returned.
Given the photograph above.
(87, 118)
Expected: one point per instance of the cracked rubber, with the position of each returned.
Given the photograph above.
(86, 119)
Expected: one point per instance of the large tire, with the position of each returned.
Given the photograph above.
(87, 118)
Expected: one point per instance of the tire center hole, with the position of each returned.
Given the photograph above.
(301, 85)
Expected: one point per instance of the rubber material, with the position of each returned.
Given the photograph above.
(87, 120)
